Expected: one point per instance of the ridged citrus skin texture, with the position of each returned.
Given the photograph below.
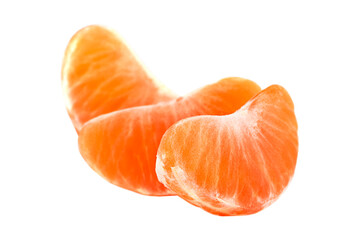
(101, 75)
(122, 146)
(235, 164)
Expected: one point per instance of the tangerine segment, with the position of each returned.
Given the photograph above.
(101, 75)
(236, 164)
(122, 146)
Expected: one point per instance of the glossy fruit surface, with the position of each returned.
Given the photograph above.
(235, 164)
(121, 146)
(101, 75)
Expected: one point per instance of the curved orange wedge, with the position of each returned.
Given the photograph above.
(236, 164)
(101, 75)
(121, 146)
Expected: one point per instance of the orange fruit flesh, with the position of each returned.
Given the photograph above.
(101, 75)
(122, 146)
(236, 164)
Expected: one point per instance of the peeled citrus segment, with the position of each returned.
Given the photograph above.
(101, 75)
(235, 164)
(122, 146)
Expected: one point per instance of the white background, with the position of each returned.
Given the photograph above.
(312, 48)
